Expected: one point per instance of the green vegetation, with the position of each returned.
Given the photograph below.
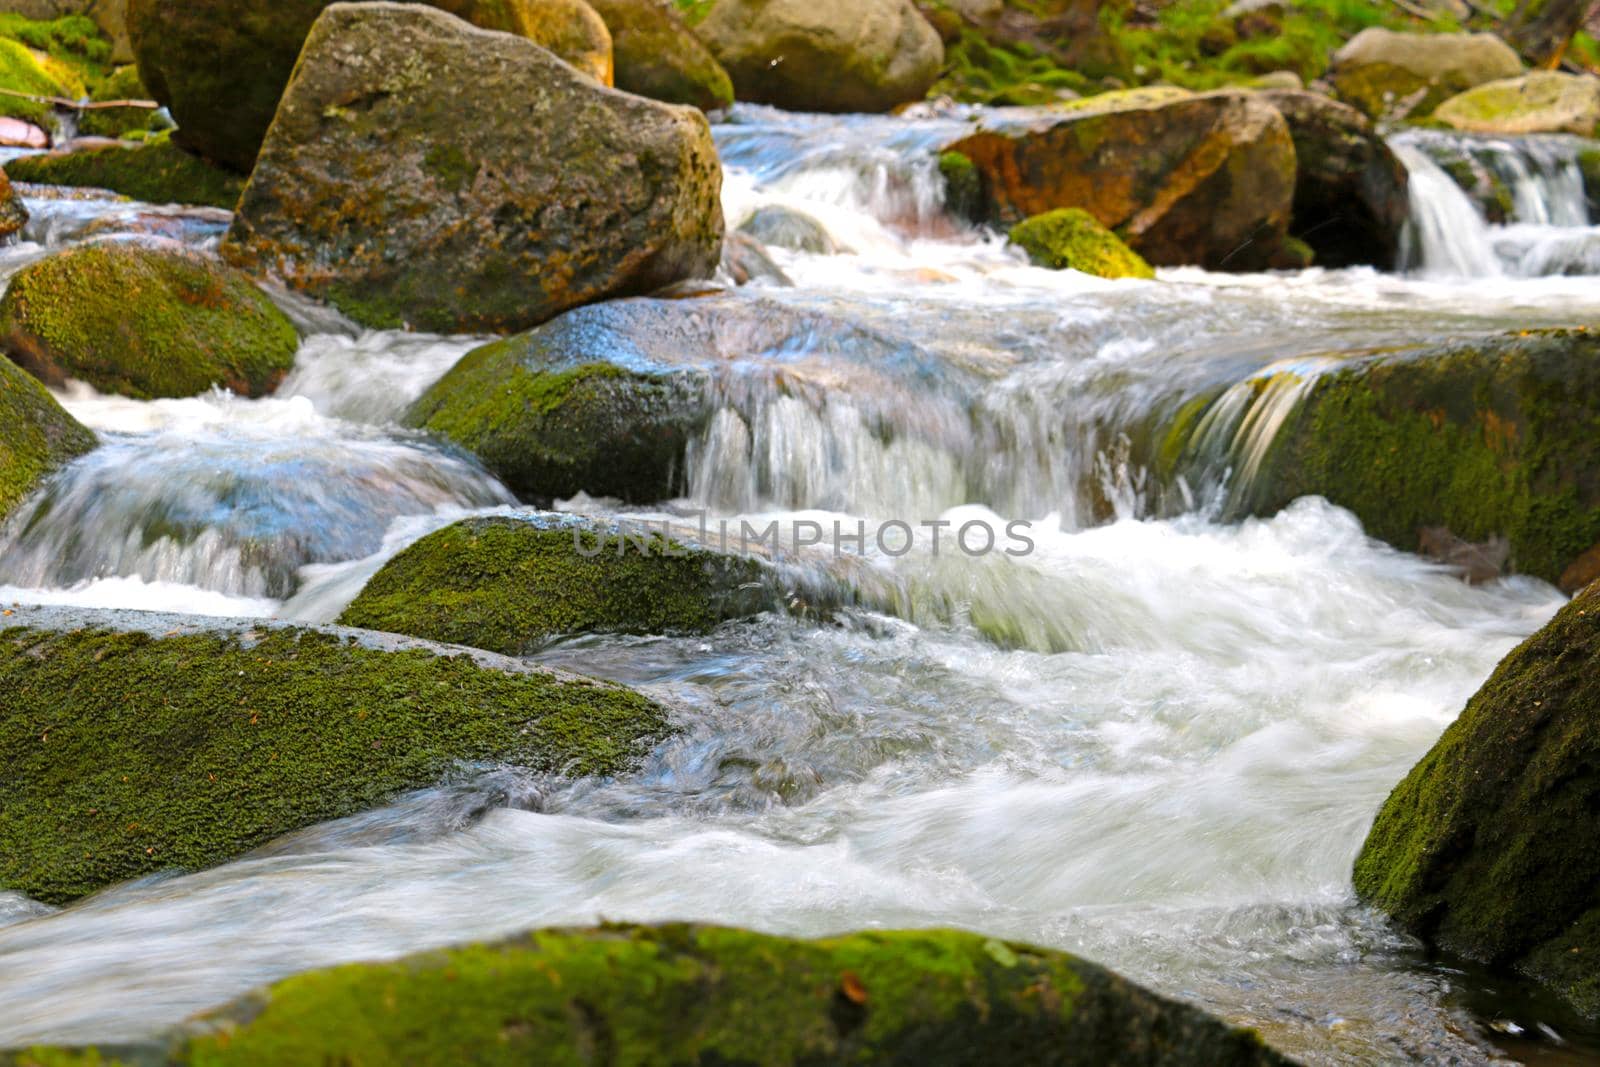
(128, 754)
(1486, 847)
(1071, 238)
(145, 322)
(58, 58)
(157, 172)
(675, 994)
(122, 84)
(39, 436)
(509, 585)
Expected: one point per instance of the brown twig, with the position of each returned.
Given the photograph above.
(80, 105)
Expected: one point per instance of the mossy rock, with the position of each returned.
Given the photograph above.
(658, 56)
(39, 435)
(1383, 72)
(1490, 846)
(552, 416)
(23, 70)
(1544, 101)
(1071, 239)
(678, 994)
(135, 742)
(963, 187)
(13, 212)
(511, 584)
(122, 84)
(1491, 438)
(145, 320)
(155, 171)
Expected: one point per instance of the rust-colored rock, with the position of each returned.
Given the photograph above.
(1203, 179)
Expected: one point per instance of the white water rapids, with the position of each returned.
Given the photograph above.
(1168, 768)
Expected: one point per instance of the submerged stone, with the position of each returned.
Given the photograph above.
(1490, 847)
(658, 56)
(714, 995)
(825, 55)
(136, 742)
(1484, 439)
(1071, 239)
(13, 213)
(787, 228)
(146, 320)
(511, 584)
(374, 193)
(155, 171)
(1203, 179)
(39, 435)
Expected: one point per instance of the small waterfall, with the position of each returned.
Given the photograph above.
(1486, 207)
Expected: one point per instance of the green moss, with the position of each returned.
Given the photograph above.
(981, 70)
(24, 71)
(674, 994)
(550, 433)
(963, 186)
(74, 40)
(157, 171)
(121, 84)
(450, 165)
(145, 322)
(1488, 845)
(127, 754)
(1071, 238)
(510, 585)
(39, 436)
(1499, 437)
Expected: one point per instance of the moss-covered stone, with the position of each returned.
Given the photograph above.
(13, 212)
(511, 584)
(1184, 178)
(122, 84)
(1490, 847)
(156, 171)
(1498, 437)
(658, 56)
(47, 58)
(552, 418)
(38, 437)
(675, 994)
(372, 193)
(1071, 239)
(1385, 73)
(1545, 101)
(135, 743)
(963, 187)
(145, 320)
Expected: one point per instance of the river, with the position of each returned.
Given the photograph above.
(1167, 765)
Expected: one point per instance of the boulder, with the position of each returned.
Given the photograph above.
(787, 228)
(825, 55)
(1071, 239)
(146, 320)
(658, 56)
(1473, 441)
(511, 585)
(1490, 847)
(373, 193)
(109, 15)
(1350, 191)
(221, 65)
(679, 994)
(137, 742)
(39, 436)
(1544, 101)
(1183, 178)
(1383, 72)
(607, 399)
(155, 171)
(13, 212)
(745, 260)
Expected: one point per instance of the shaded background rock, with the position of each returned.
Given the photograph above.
(658, 56)
(373, 193)
(824, 55)
(1381, 71)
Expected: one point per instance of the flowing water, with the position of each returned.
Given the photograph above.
(1155, 739)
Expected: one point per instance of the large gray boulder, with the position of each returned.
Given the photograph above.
(825, 55)
(1382, 72)
(423, 172)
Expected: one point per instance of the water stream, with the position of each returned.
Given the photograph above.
(1156, 740)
